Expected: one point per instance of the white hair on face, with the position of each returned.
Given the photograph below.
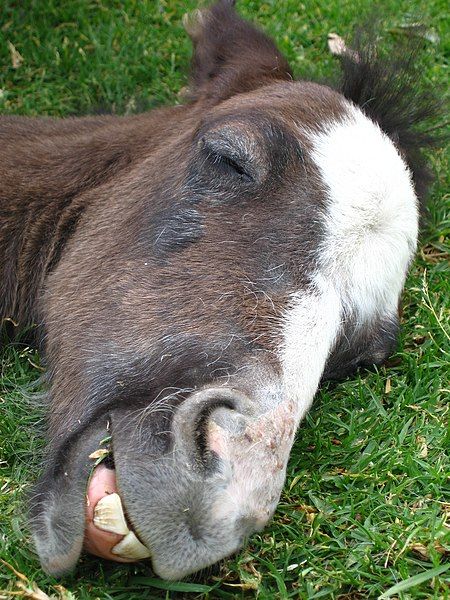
(370, 234)
(310, 327)
(371, 215)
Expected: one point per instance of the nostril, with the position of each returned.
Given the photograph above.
(192, 423)
(205, 449)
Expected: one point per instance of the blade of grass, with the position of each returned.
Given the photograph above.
(407, 584)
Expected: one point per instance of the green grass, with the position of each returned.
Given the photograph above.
(366, 505)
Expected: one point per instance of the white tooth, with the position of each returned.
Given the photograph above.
(108, 515)
(131, 547)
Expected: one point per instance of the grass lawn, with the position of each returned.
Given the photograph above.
(366, 507)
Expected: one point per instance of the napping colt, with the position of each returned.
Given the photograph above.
(195, 272)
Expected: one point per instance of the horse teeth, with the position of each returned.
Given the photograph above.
(131, 547)
(108, 515)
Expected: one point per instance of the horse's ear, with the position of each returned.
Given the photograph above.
(230, 56)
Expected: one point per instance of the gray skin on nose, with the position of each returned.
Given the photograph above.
(219, 482)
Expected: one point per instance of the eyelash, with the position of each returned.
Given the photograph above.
(229, 164)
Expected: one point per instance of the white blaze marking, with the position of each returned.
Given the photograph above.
(371, 219)
(371, 225)
(310, 328)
